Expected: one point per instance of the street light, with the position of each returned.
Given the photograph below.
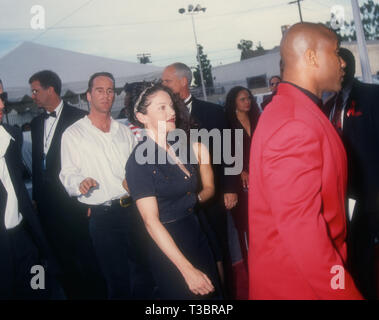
(192, 10)
(298, 4)
(361, 41)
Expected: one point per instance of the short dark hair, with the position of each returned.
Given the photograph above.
(47, 78)
(275, 76)
(349, 59)
(100, 74)
(132, 91)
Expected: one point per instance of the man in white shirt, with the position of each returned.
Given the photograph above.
(63, 221)
(94, 152)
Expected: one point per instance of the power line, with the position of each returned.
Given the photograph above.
(298, 4)
(55, 27)
(321, 4)
(61, 20)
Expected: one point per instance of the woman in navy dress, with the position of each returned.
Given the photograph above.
(166, 195)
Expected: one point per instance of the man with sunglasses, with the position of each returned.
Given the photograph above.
(63, 220)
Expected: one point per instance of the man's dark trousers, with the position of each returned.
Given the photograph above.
(120, 241)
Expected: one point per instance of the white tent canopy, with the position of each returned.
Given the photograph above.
(73, 68)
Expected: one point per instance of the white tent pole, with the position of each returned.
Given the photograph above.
(362, 48)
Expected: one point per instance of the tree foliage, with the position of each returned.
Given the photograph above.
(246, 49)
(370, 22)
(245, 45)
(207, 70)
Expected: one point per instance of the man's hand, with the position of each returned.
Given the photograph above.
(245, 179)
(125, 185)
(230, 200)
(86, 185)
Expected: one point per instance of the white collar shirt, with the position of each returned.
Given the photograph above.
(12, 216)
(50, 124)
(188, 105)
(88, 152)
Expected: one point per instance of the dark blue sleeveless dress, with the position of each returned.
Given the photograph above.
(176, 195)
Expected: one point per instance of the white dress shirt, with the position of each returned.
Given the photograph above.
(188, 105)
(88, 152)
(50, 126)
(12, 216)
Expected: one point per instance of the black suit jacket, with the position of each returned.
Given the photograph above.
(210, 116)
(46, 184)
(13, 160)
(361, 138)
(266, 100)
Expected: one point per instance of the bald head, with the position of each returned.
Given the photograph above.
(305, 50)
(301, 37)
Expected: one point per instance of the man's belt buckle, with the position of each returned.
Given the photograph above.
(125, 201)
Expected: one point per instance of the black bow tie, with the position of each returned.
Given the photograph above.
(51, 114)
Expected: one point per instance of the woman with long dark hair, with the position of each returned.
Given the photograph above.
(242, 113)
(166, 194)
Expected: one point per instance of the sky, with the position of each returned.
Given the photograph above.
(121, 29)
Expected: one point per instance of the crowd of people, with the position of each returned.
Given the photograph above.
(140, 209)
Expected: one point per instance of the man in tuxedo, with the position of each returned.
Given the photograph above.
(354, 111)
(297, 222)
(63, 220)
(206, 115)
(22, 243)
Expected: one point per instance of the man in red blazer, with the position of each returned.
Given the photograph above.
(298, 179)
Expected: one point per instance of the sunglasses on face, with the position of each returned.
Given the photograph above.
(4, 96)
(274, 84)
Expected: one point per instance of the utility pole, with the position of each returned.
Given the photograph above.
(298, 4)
(192, 10)
(198, 59)
(361, 43)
